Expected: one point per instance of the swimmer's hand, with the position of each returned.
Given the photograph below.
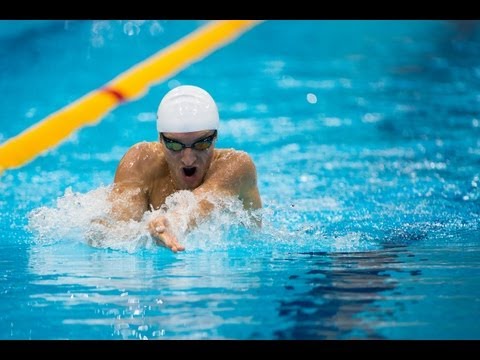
(163, 235)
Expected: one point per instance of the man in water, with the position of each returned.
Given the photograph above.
(184, 158)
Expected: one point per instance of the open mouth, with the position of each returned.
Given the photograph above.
(190, 171)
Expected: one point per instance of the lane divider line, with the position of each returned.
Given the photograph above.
(129, 85)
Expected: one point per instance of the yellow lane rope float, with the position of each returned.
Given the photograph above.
(131, 84)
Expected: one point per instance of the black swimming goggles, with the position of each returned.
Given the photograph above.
(200, 145)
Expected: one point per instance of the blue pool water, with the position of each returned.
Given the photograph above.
(366, 139)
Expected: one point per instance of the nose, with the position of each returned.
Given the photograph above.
(188, 157)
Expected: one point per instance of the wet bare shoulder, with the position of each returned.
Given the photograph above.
(227, 155)
(141, 160)
(237, 163)
(233, 157)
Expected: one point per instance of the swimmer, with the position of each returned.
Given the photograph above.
(183, 158)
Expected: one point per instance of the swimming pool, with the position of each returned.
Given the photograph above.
(366, 139)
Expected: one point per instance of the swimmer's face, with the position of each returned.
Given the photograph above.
(188, 156)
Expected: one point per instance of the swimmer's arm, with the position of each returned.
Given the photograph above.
(126, 203)
(252, 201)
(249, 193)
(129, 195)
(239, 179)
(129, 201)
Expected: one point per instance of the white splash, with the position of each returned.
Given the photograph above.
(86, 218)
(75, 218)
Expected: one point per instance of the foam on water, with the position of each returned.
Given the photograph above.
(75, 218)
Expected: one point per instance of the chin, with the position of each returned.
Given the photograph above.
(190, 184)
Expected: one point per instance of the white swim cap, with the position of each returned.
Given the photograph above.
(187, 108)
